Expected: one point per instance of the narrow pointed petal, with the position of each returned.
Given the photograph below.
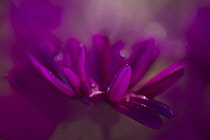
(82, 73)
(70, 52)
(144, 54)
(100, 42)
(73, 79)
(119, 85)
(63, 87)
(140, 114)
(46, 52)
(101, 59)
(156, 106)
(163, 80)
(81, 64)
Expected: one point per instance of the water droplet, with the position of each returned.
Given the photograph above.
(93, 85)
(96, 88)
(108, 89)
(127, 100)
(59, 57)
(124, 53)
(144, 97)
(144, 105)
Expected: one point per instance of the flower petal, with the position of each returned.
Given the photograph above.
(71, 51)
(143, 55)
(53, 79)
(163, 80)
(140, 114)
(100, 42)
(47, 57)
(156, 106)
(101, 59)
(82, 73)
(73, 79)
(119, 85)
(81, 64)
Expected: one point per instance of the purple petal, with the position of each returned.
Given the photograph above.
(46, 56)
(81, 85)
(71, 51)
(144, 54)
(53, 79)
(162, 80)
(81, 64)
(101, 60)
(75, 54)
(43, 50)
(140, 114)
(156, 106)
(100, 42)
(73, 79)
(119, 85)
(82, 73)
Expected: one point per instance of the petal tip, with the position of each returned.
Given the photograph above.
(119, 84)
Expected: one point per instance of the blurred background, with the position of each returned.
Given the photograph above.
(181, 29)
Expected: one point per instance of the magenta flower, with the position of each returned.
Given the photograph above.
(90, 75)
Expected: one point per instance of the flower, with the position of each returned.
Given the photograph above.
(82, 73)
(86, 74)
(37, 107)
